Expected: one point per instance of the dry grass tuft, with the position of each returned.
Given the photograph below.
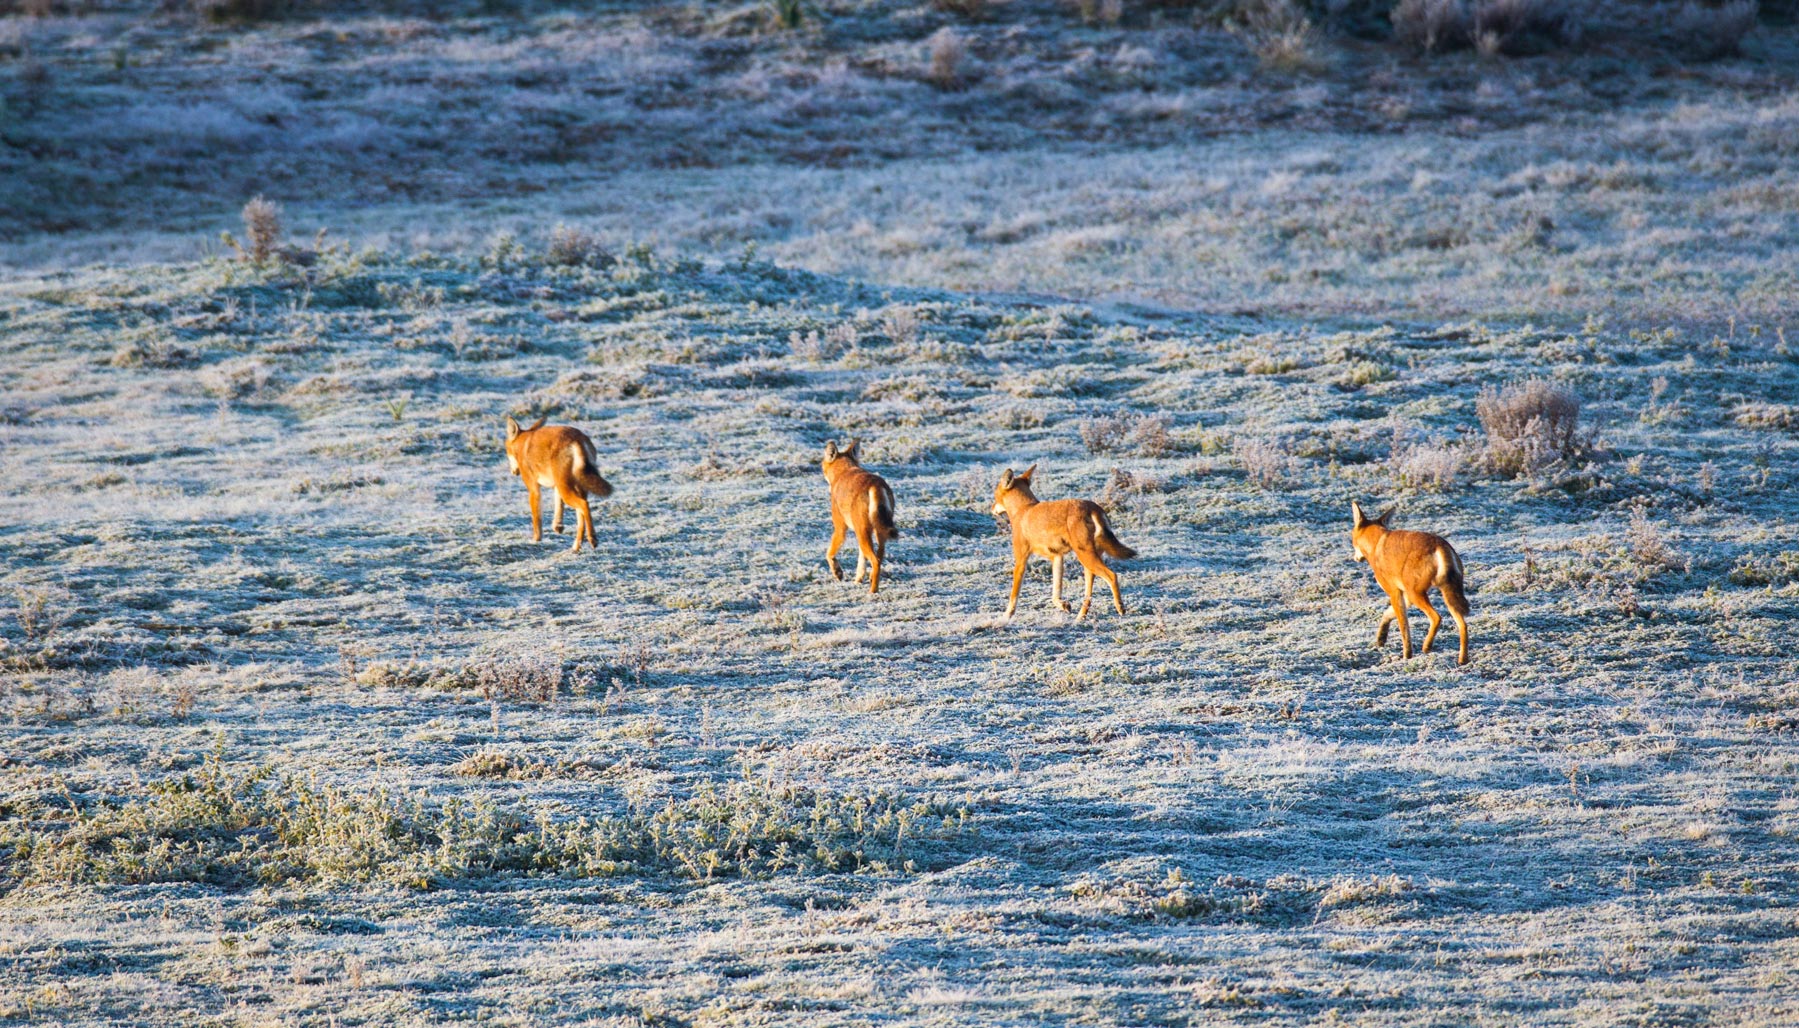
(529, 679)
(1268, 463)
(1122, 485)
(1530, 426)
(1759, 414)
(1431, 26)
(1651, 546)
(262, 230)
(1351, 890)
(1103, 435)
(1281, 36)
(949, 56)
(571, 246)
(488, 763)
(1430, 465)
(1151, 436)
(901, 324)
(1148, 434)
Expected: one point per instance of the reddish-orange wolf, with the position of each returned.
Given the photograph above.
(1407, 566)
(861, 502)
(559, 458)
(1053, 530)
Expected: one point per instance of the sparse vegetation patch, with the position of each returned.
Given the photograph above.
(235, 827)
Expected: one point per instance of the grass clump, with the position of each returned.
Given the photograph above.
(1764, 569)
(1530, 426)
(1149, 435)
(242, 827)
(1105, 434)
(1268, 463)
(519, 678)
(1354, 889)
(1430, 26)
(1281, 36)
(573, 247)
(949, 56)
(262, 229)
(1432, 465)
(1366, 373)
(1494, 27)
(787, 14)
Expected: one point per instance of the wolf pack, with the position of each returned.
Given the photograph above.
(1407, 565)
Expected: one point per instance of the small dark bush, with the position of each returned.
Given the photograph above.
(1708, 32)
(1431, 26)
(242, 10)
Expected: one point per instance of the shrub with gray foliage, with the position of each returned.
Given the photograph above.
(1529, 426)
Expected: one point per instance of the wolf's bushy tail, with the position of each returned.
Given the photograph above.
(1107, 542)
(880, 506)
(1450, 584)
(588, 474)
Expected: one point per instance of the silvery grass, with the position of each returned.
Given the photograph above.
(1224, 806)
(1148, 159)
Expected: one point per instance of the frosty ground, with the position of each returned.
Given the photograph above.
(261, 517)
(1151, 159)
(301, 728)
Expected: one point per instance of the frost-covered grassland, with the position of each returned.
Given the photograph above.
(257, 523)
(1148, 159)
(297, 726)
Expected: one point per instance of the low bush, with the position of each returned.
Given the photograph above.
(1431, 26)
(949, 55)
(1281, 36)
(1268, 463)
(243, 10)
(1148, 434)
(238, 828)
(1709, 32)
(1492, 26)
(571, 247)
(262, 229)
(1529, 427)
(1103, 435)
(1430, 466)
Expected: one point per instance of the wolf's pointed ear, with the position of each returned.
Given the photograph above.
(1355, 514)
(1025, 475)
(854, 449)
(831, 449)
(535, 425)
(511, 429)
(1384, 515)
(1006, 480)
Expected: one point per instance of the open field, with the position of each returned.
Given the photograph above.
(262, 518)
(1151, 160)
(298, 727)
